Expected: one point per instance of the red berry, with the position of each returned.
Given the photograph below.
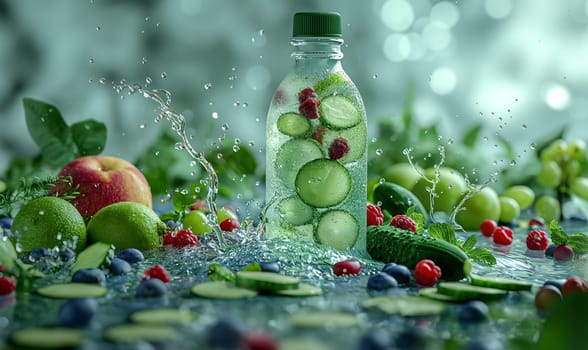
(536, 222)
(537, 240)
(228, 225)
(563, 252)
(305, 94)
(157, 271)
(7, 285)
(403, 222)
(374, 215)
(502, 235)
(259, 340)
(347, 267)
(574, 285)
(426, 273)
(200, 205)
(180, 239)
(318, 134)
(2, 268)
(339, 148)
(487, 227)
(547, 297)
(309, 108)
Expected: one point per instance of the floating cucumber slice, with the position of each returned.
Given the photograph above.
(356, 138)
(407, 305)
(48, 338)
(432, 293)
(339, 112)
(73, 290)
(500, 283)
(337, 229)
(465, 291)
(164, 316)
(302, 343)
(303, 290)
(294, 211)
(293, 124)
(221, 290)
(130, 333)
(293, 155)
(323, 183)
(95, 256)
(324, 319)
(266, 281)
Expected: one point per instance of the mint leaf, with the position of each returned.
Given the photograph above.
(49, 131)
(578, 242)
(218, 272)
(469, 243)
(418, 219)
(254, 266)
(558, 235)
(482, 256)
(89, 137)
(442, 231)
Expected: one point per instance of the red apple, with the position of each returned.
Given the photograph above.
(103, 180)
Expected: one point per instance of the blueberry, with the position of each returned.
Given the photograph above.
(225, 334)
(374, 340)
(400, 273)
(381, 281)
(413, 338)
(6, 222)
(549, 250)
(39, 253)
(556, 283)
(152, 287)
(119, 267)
(89, 276)
(269, 266)
(171, 224)
(131, 255)
(66, 254)
(473, 311)
(77, 312)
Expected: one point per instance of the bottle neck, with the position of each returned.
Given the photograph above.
(320, 52)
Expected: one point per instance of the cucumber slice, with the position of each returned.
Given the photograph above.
(266, 281)
(95, 256)
(465, 291)
(500, 283)
(324, 319)
(292, 156)
(356, 139)
(339, 112)
(48, 338)
(432, 293)
(221, 290)
(73, 290)
(323, 183)
(165, 316)
(130, 333)
(293, 124)
(294, 211)
(302, 343)
(408, 305)
(329, 85)
(337, 228)
(303, 290)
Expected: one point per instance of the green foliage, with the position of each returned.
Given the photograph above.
(577, 241)
(218, 272)
(446, 232)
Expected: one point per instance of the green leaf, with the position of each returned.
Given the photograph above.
(172, 215)
(482, 256)
(578, 242)
(418, 219)
(183, 199)
(254, 266)
(558, 235)
(471, 136)
(89, 136)
(469, 243)
(50, 132)
(442, 231)
(218, 272)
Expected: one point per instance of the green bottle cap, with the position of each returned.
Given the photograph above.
(317, 24)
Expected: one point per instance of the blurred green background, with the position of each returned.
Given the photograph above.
(516, 67)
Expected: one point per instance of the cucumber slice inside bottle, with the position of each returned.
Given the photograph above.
(356, 138)
(294, 211)
(293, 124)
(72, 291)
(500, 283)
(292, 156)
(266, 281)
(48, 338)
(337, 229)
(339, 112)
(465, 291)
(323, 183)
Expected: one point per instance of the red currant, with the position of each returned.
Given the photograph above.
(502, 235)
(305, 94)
(347, 267)
(487, 227)
(7, 285)
(537, 240)
(574, 285)
(157, 271)
(426, 273)
(403, 222)
(374, 215)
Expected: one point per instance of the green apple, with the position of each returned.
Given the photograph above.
(450, 189)
(481, 206)
(509, 209)
(197, 222)
(403, 174)
(226, 213)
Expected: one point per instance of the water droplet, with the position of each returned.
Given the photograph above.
(144, 60)
(234, 68)
(524, 126)
(236, 148)
(244, 104)
(450, 141)
(59, 236)
(148, 80)
(163, 75)
(236, 104)
(237, 141)
(147, 19)
(513, 162)
(41, 212)
(533, 145)
(261, 32)
(219, 155)
(98, 28)
(375, 76)
(214, 115)
(251, 143)
(156, 153)
(485, 138)
(142, 126)
(381, 180)
(91, 60)
(379, 152)
(207, 86)
(225, 127)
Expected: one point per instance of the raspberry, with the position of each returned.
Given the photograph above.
(318, 134)
(338, 149)
(180, 239)
(228, 225)
(403, 222)
(426, 273)
(374, 215)
(7, 285)
(487, 227)
(502, 235)
(537, 240)
(305, 94)
(157, 271)
(309, 108)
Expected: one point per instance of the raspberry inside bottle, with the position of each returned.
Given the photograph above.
(316, 143)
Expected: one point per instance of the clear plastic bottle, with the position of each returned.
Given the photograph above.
(316, 143)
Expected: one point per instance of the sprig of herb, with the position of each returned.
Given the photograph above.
(446, 232)
(34, 188)
(577, 241)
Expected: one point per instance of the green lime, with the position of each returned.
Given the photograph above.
(48, 221)
(127, 225)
